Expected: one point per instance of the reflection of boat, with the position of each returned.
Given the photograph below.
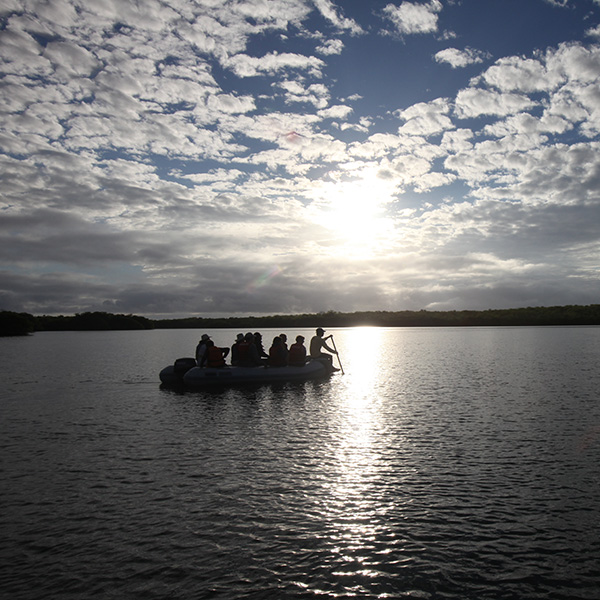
(184, 372)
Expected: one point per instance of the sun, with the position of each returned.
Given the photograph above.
(354, 212)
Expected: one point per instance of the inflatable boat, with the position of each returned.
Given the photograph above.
(184, 372)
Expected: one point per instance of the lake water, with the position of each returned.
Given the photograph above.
(445, 463)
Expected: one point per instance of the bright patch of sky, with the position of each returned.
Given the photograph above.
(206, 157)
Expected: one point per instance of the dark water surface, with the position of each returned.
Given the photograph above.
(445, 463)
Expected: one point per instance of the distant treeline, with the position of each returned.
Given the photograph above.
(12, 323)
(549, 315)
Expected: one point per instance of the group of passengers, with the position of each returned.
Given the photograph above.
(248, 351)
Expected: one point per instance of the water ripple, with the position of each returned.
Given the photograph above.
(454, 473)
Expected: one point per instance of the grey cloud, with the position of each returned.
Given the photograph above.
(53, 236)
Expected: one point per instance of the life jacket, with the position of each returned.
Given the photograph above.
(215, 357)
(297, 355)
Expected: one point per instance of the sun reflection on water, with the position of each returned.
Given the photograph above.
(354, 508)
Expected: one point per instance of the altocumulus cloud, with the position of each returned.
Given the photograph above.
(250, 157)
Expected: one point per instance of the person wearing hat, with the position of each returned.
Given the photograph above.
(201, 349)
(317, 344)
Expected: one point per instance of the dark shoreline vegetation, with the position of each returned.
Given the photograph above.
(13, 323)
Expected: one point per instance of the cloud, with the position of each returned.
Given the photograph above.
(296, 91)
(460, 58)
(525, 75)
(475, 102)
(164, 162)
(249, 66)
(331, 47)
(329, 12)
(426, 118)
(410, 18)
(339, 111)
(593, 32)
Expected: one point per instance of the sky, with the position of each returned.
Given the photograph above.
(248, 157)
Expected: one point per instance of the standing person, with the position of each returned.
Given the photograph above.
(214, 356)
(234, 349)
(297, 355)
(317, 343)
(277, 353)
(201, 349)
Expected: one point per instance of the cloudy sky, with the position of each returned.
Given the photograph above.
(224, 157)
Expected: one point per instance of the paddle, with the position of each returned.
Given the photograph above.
(338, 356)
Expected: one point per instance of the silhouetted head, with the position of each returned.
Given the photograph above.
(300, 339)
(320, 331)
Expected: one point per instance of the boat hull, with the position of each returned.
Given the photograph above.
(197, 377)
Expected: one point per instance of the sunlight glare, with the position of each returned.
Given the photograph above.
(355, 213)
(353, 506)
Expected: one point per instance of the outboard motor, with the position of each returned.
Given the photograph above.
(183, 365)
(173, 374)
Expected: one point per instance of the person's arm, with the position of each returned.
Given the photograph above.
(324, 344)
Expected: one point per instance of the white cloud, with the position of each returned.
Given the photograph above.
(71, 58)
(593, 32)
(229, 103)
(410, 18)
(329, 11)
(296, 91)
(338, 111)
(575, 62)
(525, 123)
(457, 141)
(426, 118)
(525, 75)
(21, 55)
(475, 102)
(460, 58)
(249, 66)
(331, 47)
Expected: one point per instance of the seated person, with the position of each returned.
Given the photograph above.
(317, 344)
(297, 354)
(247, 354)
(214, 357)
(234, 348)
(277, 353)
